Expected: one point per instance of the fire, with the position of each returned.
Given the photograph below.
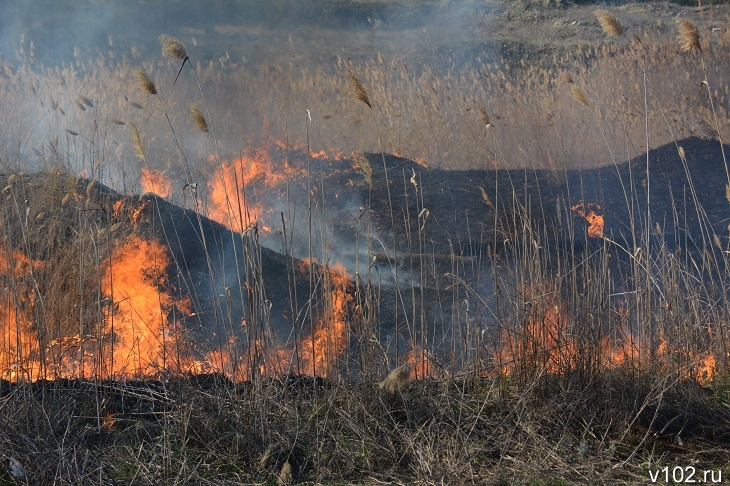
(19, 350)
(142, 336)
(419, 361)
(329, 340)
(595, 221)
(155, 182)
(232, 190)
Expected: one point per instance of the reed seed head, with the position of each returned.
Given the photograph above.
(396, 379)
(689, 36)
(610, 25)
(285, 475)
(85, 101)
(578, 95)
(727, 192)
(144, 82)
(172, 47)
(137, 141)
(566, 77)
(196, 116)
(358, 90)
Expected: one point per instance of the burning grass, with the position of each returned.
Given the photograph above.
(513, 326)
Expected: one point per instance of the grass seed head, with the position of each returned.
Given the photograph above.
(578, 95)
(358, 90)
(689, 36)
(285, 476)
(172, 47)
(144, 82)
(137, 141)
(483, 114)
(610, 25)
(196, 116)
(396, 379)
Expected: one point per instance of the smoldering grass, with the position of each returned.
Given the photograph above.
(689, 36)
(136, 141)
(144, 83)
(610, 25)
(196, 116)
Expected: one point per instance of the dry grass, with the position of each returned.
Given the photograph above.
(548, 361)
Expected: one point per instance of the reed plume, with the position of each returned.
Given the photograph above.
(396, 379)
(144, 82)
(172, 47)
(357, 89)
(689, 37)
(85, 101)
(610, 25)
(136, 141)
(483, 114)
(578, 95)
(566, 77)
(196, 116)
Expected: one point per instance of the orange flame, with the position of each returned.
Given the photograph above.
(155, 182)
(142, 335)
(595, 221)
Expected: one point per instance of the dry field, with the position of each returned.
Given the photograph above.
(451, 242)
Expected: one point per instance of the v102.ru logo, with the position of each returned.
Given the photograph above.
(685, 475)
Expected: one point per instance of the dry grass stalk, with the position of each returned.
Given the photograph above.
(578, 95)
(144, 82)
(610, 25)
(196, 116)
(136, 141)
(689, 36)
(172, 47)
(727, 192)
(357, 89)
(396, 379)
(115, 227)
